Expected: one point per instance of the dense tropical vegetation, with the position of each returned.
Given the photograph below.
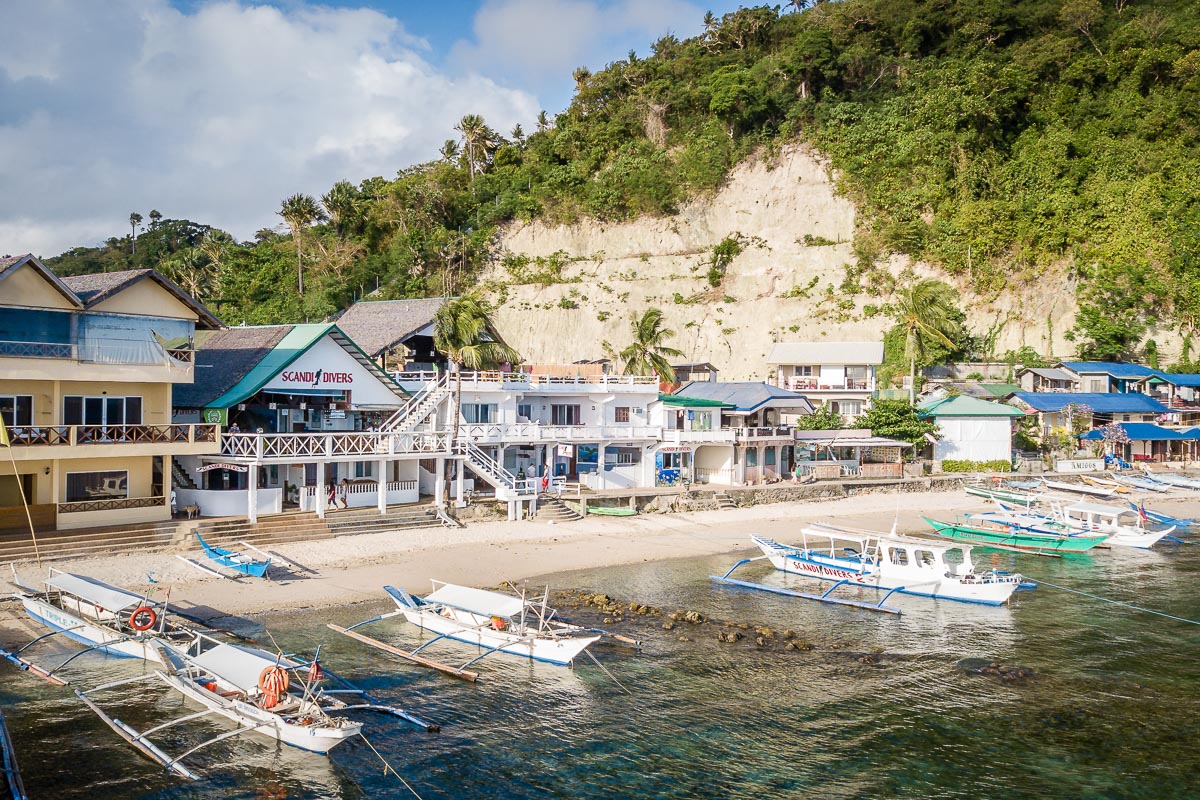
(1000, 140)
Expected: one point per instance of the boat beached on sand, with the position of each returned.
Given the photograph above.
(885, 561)
(1003, 536)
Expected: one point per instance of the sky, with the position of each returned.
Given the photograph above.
(215, 110)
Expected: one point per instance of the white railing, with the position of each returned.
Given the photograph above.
(418, 408)
(537, 432)
(723, 475)
(806, 384)
(723, 435)
(474, 379)
(493, 471)
(359, 495)
(765, 432)
(267, 446)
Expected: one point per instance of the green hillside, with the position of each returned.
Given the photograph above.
(994, 139)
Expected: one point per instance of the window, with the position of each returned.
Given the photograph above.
(899, 556)
(103, 410)
(480, 412)
(770, 457)
(564, 415)
(16, 409)
(623, 455)
(805, 372)
(364, 469)
(851, 408)
(97, 485)
(621, 414)
(525, 411)
(702, 421)
(752, 457)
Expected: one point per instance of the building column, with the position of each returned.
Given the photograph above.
(252, 493)
(600, 482)
(381, 501)
(439, 483)
(458, 486)
(321, 493)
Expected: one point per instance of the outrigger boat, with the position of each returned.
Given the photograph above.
(240, 562)
(8, 764)
(252, 688)
(1077, 488)
(1003, 537)
(885, 561)
(497, 623)
(1162, 519)
(96, 614)
(1139, 483)
(1100, 518)
(1015, 496)
(1171, 480)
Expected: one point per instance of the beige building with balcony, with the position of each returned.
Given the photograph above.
(835, 375)
(87, 366)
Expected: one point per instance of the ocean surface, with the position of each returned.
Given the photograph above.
(881, 707)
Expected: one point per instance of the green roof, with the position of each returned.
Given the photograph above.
(679, 401)
(964, 406)
(294, 344)
(1000, 389)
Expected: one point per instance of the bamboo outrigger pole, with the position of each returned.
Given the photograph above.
(4, 441)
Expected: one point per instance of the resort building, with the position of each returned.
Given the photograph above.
(970, 429)
(1060, 410)
(1046, 379)
(87, 367)
(835, 375)
(1105, 377)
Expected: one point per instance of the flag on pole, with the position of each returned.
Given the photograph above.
(3, 434)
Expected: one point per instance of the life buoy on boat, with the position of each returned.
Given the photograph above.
(273, 683)
(143, 618)
(498, 623)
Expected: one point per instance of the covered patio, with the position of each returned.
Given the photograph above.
(1149, 442)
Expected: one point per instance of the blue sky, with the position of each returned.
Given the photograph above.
(215, 110)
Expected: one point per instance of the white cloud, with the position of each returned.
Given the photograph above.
(214, 115)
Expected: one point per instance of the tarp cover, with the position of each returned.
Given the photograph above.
(477, 601)
(240, 666)
(110, 598)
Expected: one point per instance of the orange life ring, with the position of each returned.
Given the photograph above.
(498, 623)
(146, 614)
(273, 682)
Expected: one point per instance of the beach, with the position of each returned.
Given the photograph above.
(353, 569)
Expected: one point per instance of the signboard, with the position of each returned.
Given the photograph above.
(327, 369)
(230, 467)
(1080, 465)
(216, 416)
(675, 448)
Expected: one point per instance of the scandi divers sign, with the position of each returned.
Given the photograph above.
(326, 368)
(315, 379)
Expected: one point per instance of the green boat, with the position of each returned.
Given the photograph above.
(1013, 496)
(1011, 539)
(606, 511)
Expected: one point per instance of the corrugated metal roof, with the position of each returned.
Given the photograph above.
(963, 406)
(1103, 403)
(826, 353)
(1142, 432)
(1180, 378)
(1117, 369)
(745, 396)
(1050, 373)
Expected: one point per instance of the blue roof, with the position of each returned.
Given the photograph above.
(1101, 403)
(1117, 369)
(745, 396)
(1180, 378)
(1142, 432)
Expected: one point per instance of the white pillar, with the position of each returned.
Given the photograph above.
(252, 493)
(439, 483)
(458, 486)
(600, 482)
(512, 510)
(322, 495)
(383, 482)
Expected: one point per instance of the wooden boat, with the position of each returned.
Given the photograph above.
(1162, 519)
(1076, 488)
(498, 623)
(8, 764)
(1007, 538)
(253, 688)
(1022, 520)
(606, 511)
(239, 562)
(1168, 479)
(1103, 484)
(96, 614)
(1123, 526)
(884, 561)
(1014, 496)
(1139, 483)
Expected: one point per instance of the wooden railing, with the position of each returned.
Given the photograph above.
(71, 435)
(473, 379)
(110, 504)
(365, 444)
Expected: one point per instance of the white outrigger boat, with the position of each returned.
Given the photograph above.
(12, 784)
(886, 561)
(1100, 518)
(497, 623)
(1168, 479)
(254, 689)
(96, 614)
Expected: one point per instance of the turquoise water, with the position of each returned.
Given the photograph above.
(1112, 709)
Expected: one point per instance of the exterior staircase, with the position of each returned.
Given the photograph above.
(292, 526)
(418, 409)
(180, 478)
(89, 542)
(724, 501)
(368, 520)
(490, 470)
(551, 508)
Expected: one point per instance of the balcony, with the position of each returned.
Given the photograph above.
(110, 351)
(763, 434)
(813, 384)
(719, 436)
(353, 446)
(533, 432)
(498, 381)
(29, 441)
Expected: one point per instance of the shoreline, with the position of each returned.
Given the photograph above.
(354, 569)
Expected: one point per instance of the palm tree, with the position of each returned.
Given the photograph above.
(340, 204)
(155, 218)
(543, 121)
(926, 313)
(299, 211)
(479, 140)
(517, 133)
(134, 219)
(648, 353)
(449, 150)
(464, 333)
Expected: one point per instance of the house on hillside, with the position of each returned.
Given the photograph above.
(1107, 377)
(1046, 379)
(835, 375)
(694, 371)
(970, 429)
(1058, 410)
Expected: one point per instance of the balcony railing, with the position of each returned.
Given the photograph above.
(101, 352)
(808, 384)
(111, 504)
(71, 435)
(498, 379)
(365, 445)
(725, 435)
(767, 432)
(496, 433)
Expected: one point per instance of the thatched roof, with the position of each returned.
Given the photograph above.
(223, 358)
(379, 325)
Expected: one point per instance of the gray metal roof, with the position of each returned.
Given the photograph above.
(222, 359)
(826, 353)
(379, 325)
(1050, 373)
(96, 287)
(746, 396)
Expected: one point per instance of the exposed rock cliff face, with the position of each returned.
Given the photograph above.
(779, 288)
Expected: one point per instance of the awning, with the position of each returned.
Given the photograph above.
(1140, 432)
(477, 601)
(98, 593)
(240, 666)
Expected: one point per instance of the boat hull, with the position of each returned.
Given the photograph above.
(914, 580)
(474, 629)
(1017, 539)
(87, 632)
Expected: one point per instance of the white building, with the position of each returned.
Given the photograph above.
(971, 429)
(837, 375)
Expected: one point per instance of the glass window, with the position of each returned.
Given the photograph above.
(899, 555)
(16, 410)
(102, 410)
(525, 411)
(770, 459)
(621, 414)
(479, 412)
(97, 485)
(752, 458)
(564, 415)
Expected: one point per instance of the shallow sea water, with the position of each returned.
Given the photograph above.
(1113, 709)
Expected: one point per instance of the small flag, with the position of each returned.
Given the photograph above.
(315, 673)
(1142, 512)
(3, 434)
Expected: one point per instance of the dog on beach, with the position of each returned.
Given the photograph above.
(191, 511)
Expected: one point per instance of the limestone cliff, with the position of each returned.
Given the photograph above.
(796, 232)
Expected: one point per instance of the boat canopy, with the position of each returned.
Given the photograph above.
(476, 601)
(831, 532)
(240, 666)
(98, 593)
(1097, 509)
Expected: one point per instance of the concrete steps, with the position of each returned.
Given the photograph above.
(724, 501)
(58, 545)
(368, 520)
(294, 526)
(551, 508)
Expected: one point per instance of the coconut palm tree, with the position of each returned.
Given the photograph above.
(341, 205)
(464, 333)
(925, 311)
(134, 219)
(478, 139)
(449, 150)
(543, 121)
(648, 353)
(299, 211)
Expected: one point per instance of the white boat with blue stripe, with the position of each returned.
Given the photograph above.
(886, 561)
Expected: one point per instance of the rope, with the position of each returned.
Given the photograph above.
(388, 767)
(588, 653)
(1118, 602)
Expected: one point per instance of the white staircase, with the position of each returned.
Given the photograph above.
(506, 484)
(418, 409)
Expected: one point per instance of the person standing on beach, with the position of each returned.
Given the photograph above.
(343, 493)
